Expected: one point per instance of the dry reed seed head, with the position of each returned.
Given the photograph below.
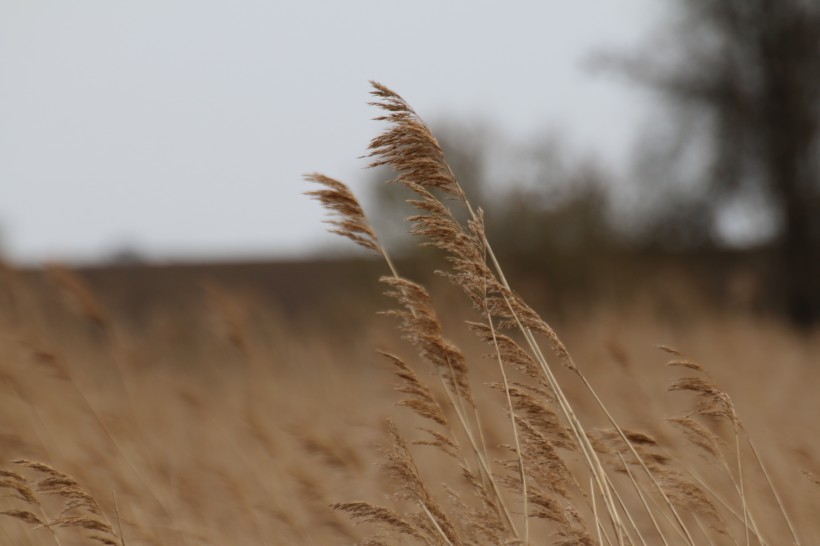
(77, 293)
(420, 325)
(507, 349)
(58, 484)
(686, 364)
(445, 233)
(601, 441)
(80, 511)
(545, 506)
(670, 350)
(23, 515)
(408, 145)
(432, 535)
(339, 200)
(83, 522)
(478, 525)
(82, 501)
(104, 540)
(54, 484)
(464, 252)
(514, 314)
(613, 448)
(687, 494)
(540, 416)
(647, 448)
(422, 401)
(389, 99)
(440, 441)
(433, 207)
(542, 462)
(639, 438)
(540, 392)
(479, 488)
(329, 450)
(20, 490)
(422, 408)
(4, 473)
(363, 512)
(401, 467)
(77, 499)
(39, 467)
(811, 477)
(569, 528)
(698, 435)
(465, 248)
(336, 524)
(711, 401)
(578, 537)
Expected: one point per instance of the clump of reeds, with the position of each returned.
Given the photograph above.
(78, 510)
(560, 482)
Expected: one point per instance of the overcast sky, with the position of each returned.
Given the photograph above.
(182, 128)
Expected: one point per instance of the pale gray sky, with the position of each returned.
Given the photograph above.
(182, 128)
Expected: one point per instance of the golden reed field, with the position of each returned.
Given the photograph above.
(459, 416)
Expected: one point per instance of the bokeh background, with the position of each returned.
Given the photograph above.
(178, 132)
(182, 129)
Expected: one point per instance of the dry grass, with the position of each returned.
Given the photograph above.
(546, 473)
(498, 432)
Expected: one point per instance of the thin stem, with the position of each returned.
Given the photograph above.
(702, 529)
(435, 523)
(595, 510)
(629, 517)
(740, 480)
(643, 500)
(119, 520)
(774, 492)
(518, 451)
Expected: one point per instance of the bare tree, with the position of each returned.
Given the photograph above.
(752, 69)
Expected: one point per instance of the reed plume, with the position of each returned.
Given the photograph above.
(79, 512)
(550, 441)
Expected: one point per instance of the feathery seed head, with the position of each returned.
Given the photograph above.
(350, 220)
